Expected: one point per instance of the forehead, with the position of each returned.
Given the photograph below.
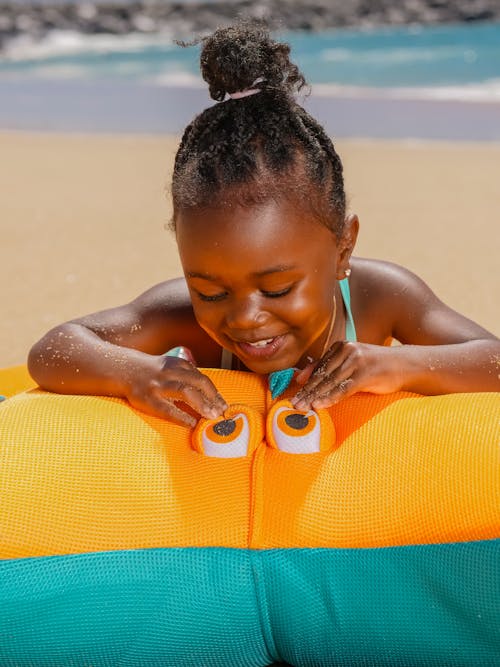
(272, 234)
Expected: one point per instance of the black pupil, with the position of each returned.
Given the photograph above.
(297, 421)
(225, 427)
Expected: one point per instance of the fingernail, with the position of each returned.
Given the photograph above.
(220, 401)
(190, 422)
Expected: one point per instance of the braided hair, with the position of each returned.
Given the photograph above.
(244, 152)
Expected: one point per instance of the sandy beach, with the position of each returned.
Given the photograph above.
(82, 220)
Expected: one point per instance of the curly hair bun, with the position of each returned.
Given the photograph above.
(232, 58)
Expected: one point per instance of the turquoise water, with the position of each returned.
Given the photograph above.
(405, 56)
(440, 82)
(451, 61)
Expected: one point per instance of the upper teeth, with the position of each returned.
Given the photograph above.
(261, 343)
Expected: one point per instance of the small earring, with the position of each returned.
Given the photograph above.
(347, 273)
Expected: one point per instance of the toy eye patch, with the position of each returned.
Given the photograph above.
(296, 432)
(234, 435)
(226, 430)
(227, 438)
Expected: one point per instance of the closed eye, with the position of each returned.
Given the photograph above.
(222, 295)
(212, 297)
(275, 295)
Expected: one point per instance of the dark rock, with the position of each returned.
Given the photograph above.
(36, 18)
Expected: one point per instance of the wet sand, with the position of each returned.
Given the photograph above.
(82, 222)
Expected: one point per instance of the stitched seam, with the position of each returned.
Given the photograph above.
(256, 496)
(262, 605)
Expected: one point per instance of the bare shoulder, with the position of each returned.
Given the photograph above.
(390, 300)
(158, 319)
(164, 300)
(382, 279)
(374, 286)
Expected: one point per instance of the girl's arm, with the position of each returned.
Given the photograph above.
(442, 351)
(121, 352)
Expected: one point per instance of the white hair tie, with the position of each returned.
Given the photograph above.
(239, 94)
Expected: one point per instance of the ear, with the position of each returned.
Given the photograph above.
(346, 244)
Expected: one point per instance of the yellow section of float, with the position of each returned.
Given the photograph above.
(14, 380)
(83, 473)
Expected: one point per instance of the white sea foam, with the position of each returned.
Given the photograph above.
(178, 78)
(59, 43)
(362, 70)
(398, 56)
(486, 92)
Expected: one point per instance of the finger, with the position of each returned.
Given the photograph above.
(342, 390)
(182, 374)
(172, 412)
(333, 387)
(327, 366)
(209, 390)
(182, 389)
(303, 375)
(164, 408)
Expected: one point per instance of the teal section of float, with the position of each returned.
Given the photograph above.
(424, 605)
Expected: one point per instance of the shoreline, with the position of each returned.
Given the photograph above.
(105, 107)
(83, 221)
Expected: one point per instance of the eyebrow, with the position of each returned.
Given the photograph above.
(280, 268)
(203, 276)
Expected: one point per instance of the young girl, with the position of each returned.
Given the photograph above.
(269, 280)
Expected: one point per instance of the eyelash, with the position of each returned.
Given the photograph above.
(219, 297)
(214, 297)
(275, 295)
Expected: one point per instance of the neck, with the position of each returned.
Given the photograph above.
(313, 355)
(328, 340)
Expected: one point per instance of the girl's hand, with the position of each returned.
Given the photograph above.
(346, 369)
(171, 384)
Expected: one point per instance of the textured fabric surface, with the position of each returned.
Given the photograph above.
(436, 605)
(81, 473)
(126, 540)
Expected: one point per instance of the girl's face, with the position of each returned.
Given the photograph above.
(262, 280)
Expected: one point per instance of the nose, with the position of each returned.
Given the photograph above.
(245, 313)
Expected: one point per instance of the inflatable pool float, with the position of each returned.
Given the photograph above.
(365, 534)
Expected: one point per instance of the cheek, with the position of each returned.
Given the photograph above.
(208, 317)
(309, 313)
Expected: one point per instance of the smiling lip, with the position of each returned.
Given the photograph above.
(269, 349)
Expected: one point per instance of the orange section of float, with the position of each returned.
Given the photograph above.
(422, 470)
(81, 473)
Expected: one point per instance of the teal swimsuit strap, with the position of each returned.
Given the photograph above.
(350, 329)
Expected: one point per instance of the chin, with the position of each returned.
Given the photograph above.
(264, 368)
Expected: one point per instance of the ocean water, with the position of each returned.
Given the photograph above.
(415, 64)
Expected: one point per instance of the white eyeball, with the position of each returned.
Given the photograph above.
(296, 432)
(226, 438)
